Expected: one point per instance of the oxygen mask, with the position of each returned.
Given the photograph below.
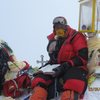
(60, 32)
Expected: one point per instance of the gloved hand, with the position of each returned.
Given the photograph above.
(60, 70)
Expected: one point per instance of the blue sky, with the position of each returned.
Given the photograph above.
(25, 24)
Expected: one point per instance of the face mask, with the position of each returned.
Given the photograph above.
(60, 32)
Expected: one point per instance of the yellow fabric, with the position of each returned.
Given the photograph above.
(60, 32)
(94, 60)
(94, 46)
(14, 68)
(16, 65)
(91, 79)
(93, 43)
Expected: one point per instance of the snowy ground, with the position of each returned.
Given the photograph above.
(93, 93)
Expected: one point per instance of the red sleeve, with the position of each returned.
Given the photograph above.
(79, 42)
(51, 36)
(80, 47)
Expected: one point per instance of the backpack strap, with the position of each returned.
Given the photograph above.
(70, 38)
(74, 34)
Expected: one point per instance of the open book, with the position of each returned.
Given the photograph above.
(49, 68)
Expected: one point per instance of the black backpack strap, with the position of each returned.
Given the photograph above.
(74, 34)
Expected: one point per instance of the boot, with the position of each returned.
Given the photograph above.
(39, 93)
(69, 95)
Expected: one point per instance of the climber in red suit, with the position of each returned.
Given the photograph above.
(68, 48)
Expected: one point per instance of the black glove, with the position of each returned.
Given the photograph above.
(60, 70)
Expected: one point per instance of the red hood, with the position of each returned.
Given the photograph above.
(69, 32)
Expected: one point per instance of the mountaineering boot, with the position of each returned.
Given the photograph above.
(39, 93)
(69, 95)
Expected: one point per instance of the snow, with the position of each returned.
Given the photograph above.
(93, 93)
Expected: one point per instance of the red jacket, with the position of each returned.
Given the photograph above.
(74, 49)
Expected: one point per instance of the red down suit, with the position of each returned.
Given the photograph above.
(74, 51)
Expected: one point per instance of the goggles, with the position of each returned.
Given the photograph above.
(60, 20)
